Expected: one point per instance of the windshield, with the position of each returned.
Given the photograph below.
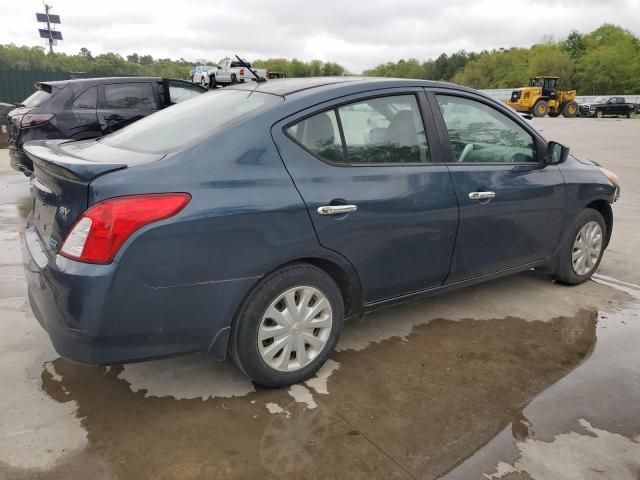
(601, 100)
(192, 120)
(36, 99)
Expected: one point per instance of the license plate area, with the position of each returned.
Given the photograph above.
(43, 216)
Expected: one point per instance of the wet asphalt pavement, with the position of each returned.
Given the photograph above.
(518, 378)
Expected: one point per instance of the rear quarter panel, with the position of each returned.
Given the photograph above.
(245, 219)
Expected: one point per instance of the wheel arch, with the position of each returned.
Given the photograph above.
(604, 208)
(339, 270)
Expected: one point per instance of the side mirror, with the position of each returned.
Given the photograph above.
(556, 153)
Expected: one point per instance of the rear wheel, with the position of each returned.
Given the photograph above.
(570, 109)
(541, 108)
(234, 79)
(213, 83)
(582, 248)
(288, 326)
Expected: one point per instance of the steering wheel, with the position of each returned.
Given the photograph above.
(467, 149)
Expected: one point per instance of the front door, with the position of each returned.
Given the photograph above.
(511, 203)
(124, 103)
(366, 172)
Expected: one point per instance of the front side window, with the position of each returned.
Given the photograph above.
(481, 134)
(383, 130)
(130, 95)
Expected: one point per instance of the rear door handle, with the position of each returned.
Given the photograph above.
(337, 209)
(482, 195)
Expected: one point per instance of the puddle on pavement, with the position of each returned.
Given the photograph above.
(427, 401)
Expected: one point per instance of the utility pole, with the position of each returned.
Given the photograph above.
(49, 33)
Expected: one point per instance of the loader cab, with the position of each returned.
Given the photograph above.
(549, 85)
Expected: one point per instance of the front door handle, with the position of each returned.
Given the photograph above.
(482, 195)
(337, 209)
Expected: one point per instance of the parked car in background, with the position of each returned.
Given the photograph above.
(88, 108)
(233, 71)
(5, 108)
(200, 74)
(609, 106)
(255, 219)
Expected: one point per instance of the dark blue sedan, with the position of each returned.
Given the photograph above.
(255, 219)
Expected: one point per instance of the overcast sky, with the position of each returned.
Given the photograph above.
(355, 33)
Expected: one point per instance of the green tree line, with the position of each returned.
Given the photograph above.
(605, 61)
(35, 58)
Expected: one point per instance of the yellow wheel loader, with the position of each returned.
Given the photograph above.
(543, 97)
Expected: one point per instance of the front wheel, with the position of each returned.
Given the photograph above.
(582, 248)
(599, 114)
(631, 114)
(288, 326)
(541, 108)
(203, 82)
(213, 83)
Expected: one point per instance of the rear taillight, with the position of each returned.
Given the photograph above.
(242, 71)
(35, 119)
(99, 233)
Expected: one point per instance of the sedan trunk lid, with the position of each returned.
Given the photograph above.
(63, 170)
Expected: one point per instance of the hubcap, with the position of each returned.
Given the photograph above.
(586, 248)
(295, 328)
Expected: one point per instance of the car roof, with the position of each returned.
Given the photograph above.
(99, 80)
(310, 85)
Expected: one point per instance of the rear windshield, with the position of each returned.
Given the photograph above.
(192, 120)
(37, 98)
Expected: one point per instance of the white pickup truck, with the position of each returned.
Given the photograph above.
(233, 71)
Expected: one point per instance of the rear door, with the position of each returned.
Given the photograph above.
(81, 120)
(124, 103)
(364, 166)
(511, 203)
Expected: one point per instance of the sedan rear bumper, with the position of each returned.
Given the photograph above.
(91, 320)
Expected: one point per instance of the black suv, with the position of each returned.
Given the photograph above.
(88, 108)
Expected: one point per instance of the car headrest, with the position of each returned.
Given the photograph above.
(319, 131)
(402, 130)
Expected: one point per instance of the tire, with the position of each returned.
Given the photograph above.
(566, 272)
(203, 82)
(213, 83)
(253, 356)
(631, 114)
(554, 113)
(234, 79)
(540, 109)
(570, 109)
(599, 114)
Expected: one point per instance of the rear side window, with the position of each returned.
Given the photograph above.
(129, 95)
(321, 136)
(36, 99)
(87, 99)
(384, 130)
(188, 122)
(181, 91)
